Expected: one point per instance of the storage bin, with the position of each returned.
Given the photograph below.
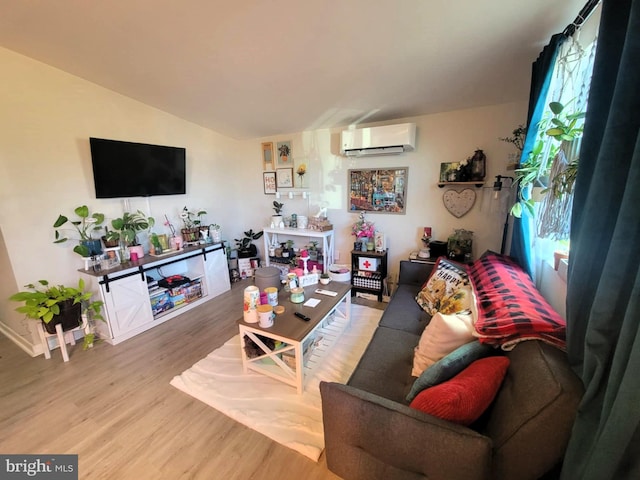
(340, 273)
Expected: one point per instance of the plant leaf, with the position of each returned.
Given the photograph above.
(60, 221)
(82, 211)
(556, 107)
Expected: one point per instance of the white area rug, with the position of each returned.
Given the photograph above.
(272, 407)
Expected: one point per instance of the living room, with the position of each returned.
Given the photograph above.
(49, 114)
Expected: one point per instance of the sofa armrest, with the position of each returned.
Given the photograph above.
(414, 273)
(370, 437)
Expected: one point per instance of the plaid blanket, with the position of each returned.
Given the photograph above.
(510, 308)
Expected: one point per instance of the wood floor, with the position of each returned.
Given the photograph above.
(114, 407)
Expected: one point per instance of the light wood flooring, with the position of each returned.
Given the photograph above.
(114, 407)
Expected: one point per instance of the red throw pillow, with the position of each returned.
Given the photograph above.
(467, 395)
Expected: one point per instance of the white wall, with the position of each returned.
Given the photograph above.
(444, 137)
(47, 117)
(45, 166)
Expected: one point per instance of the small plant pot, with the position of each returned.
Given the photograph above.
(325, 280)
(70, 317)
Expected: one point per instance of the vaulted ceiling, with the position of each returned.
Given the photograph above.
(255, 68)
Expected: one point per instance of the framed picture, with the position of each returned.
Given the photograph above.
(284, 178)
(285, 156)
(269, 180)
(449, 171)
(378, 190)
(267, 156)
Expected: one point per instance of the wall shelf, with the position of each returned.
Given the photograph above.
(478, 184)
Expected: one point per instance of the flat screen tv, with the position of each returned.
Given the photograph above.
(127, 169)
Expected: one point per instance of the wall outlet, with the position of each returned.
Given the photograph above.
(336, 255)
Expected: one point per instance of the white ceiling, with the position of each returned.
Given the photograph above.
(256, 68)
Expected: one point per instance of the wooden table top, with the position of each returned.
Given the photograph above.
(287, 325)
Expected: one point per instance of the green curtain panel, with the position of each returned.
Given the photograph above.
(603, 314)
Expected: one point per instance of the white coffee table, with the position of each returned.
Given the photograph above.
(287, 361)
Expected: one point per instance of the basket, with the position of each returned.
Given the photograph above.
(340, 273)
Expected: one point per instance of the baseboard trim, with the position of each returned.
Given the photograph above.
(33, 350)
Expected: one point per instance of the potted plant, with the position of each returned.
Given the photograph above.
(313, 250)
(277, 218)
(245, 246)
(561, 127)
(59, 304)
(192, 222)
(126, 228)
(85, 226)
(324, 278)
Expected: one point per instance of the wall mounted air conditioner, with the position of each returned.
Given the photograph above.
(385, 140)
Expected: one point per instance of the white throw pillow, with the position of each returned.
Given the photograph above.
(441, 336)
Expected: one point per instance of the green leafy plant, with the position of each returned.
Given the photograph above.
(43, 302)
(192, 219)
(245, 245)
(126, 228)
(277, 207)
(557, 126)
(86, 224)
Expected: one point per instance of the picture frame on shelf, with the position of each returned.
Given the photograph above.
(269, 181)
(284, 178)
(284, 154)
(449, 171)
(268, 161)
(378, 190)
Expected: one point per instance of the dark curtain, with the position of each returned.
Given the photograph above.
(540, 79)
(603, 308)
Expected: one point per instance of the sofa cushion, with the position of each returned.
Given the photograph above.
(385, 366)
(509, 307)
(449, 366)
(447, 290)
(467, 395)
(403, 313)
(441, 336)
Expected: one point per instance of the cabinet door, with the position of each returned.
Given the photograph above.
(216, 272)
(127, 304)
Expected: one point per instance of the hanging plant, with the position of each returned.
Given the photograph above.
(557, 126)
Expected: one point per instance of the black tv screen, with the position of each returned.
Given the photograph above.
(127, 169)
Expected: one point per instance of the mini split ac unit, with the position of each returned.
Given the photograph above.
(385, 140)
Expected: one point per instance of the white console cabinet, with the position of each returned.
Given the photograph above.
(128, 290)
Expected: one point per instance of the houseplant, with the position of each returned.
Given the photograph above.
(277, 218)
(192, 221)
(557, 127)
(126, 228)
(245, 246)
(87, 224)
(59, 304)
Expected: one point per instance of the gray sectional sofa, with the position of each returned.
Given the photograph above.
(371, 432)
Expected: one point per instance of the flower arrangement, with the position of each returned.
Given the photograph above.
(363, 228)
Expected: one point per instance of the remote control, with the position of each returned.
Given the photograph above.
(326, 292)
(302, 316)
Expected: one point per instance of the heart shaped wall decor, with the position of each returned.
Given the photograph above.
(459, 203)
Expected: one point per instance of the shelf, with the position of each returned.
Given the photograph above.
(478, 184)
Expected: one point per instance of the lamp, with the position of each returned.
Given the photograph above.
(497, 187)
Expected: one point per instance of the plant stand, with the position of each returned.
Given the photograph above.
(63, 337)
